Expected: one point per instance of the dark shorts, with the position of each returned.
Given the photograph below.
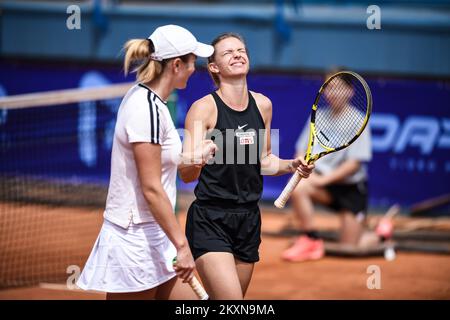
(352, 197)
(213, 227)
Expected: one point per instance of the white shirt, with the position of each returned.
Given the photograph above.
(142, 117)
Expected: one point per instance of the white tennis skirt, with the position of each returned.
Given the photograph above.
(128, 260)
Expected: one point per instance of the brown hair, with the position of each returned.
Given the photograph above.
(221, 37)
(137, 53)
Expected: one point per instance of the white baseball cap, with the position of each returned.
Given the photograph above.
(174, 41)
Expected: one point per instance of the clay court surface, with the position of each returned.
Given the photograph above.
(40, 242)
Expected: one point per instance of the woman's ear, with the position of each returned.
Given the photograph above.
(176, 64)
(213, 67)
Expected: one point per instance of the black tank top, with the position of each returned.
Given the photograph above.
(235, 175)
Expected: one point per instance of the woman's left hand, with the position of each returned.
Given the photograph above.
(302, 167)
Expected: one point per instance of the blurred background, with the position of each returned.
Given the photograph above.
(57, 153)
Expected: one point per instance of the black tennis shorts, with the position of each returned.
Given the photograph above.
(352, 197)
(221, 227)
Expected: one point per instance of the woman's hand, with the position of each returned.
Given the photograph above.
(204, 152)
(185, 264)
(302, 167)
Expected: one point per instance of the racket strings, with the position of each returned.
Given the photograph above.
(338, 129)
(341, 111)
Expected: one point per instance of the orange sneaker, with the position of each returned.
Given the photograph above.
(302, 243)
(304, 249)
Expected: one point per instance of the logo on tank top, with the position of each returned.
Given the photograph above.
(245, 137)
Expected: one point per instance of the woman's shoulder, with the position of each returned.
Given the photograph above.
(137, 96)
(203, 105)
(204, 109)
(263, 102)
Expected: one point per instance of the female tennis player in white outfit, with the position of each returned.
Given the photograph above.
(132, 257)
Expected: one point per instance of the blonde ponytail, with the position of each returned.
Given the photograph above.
(137, 53)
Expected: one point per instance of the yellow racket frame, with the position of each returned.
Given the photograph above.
(309, 158)
(280, 202)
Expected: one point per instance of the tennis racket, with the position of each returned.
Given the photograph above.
(339, 115)
(195, 285)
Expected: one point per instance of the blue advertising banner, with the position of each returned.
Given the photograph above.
(410, 127)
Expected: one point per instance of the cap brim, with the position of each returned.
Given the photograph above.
(203, 50)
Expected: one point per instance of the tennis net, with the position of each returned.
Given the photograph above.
(55, 160)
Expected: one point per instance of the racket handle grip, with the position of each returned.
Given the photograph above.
(198, 289)
(287, 191)
(195, 285)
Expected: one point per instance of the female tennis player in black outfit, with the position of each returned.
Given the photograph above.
(224, 223)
